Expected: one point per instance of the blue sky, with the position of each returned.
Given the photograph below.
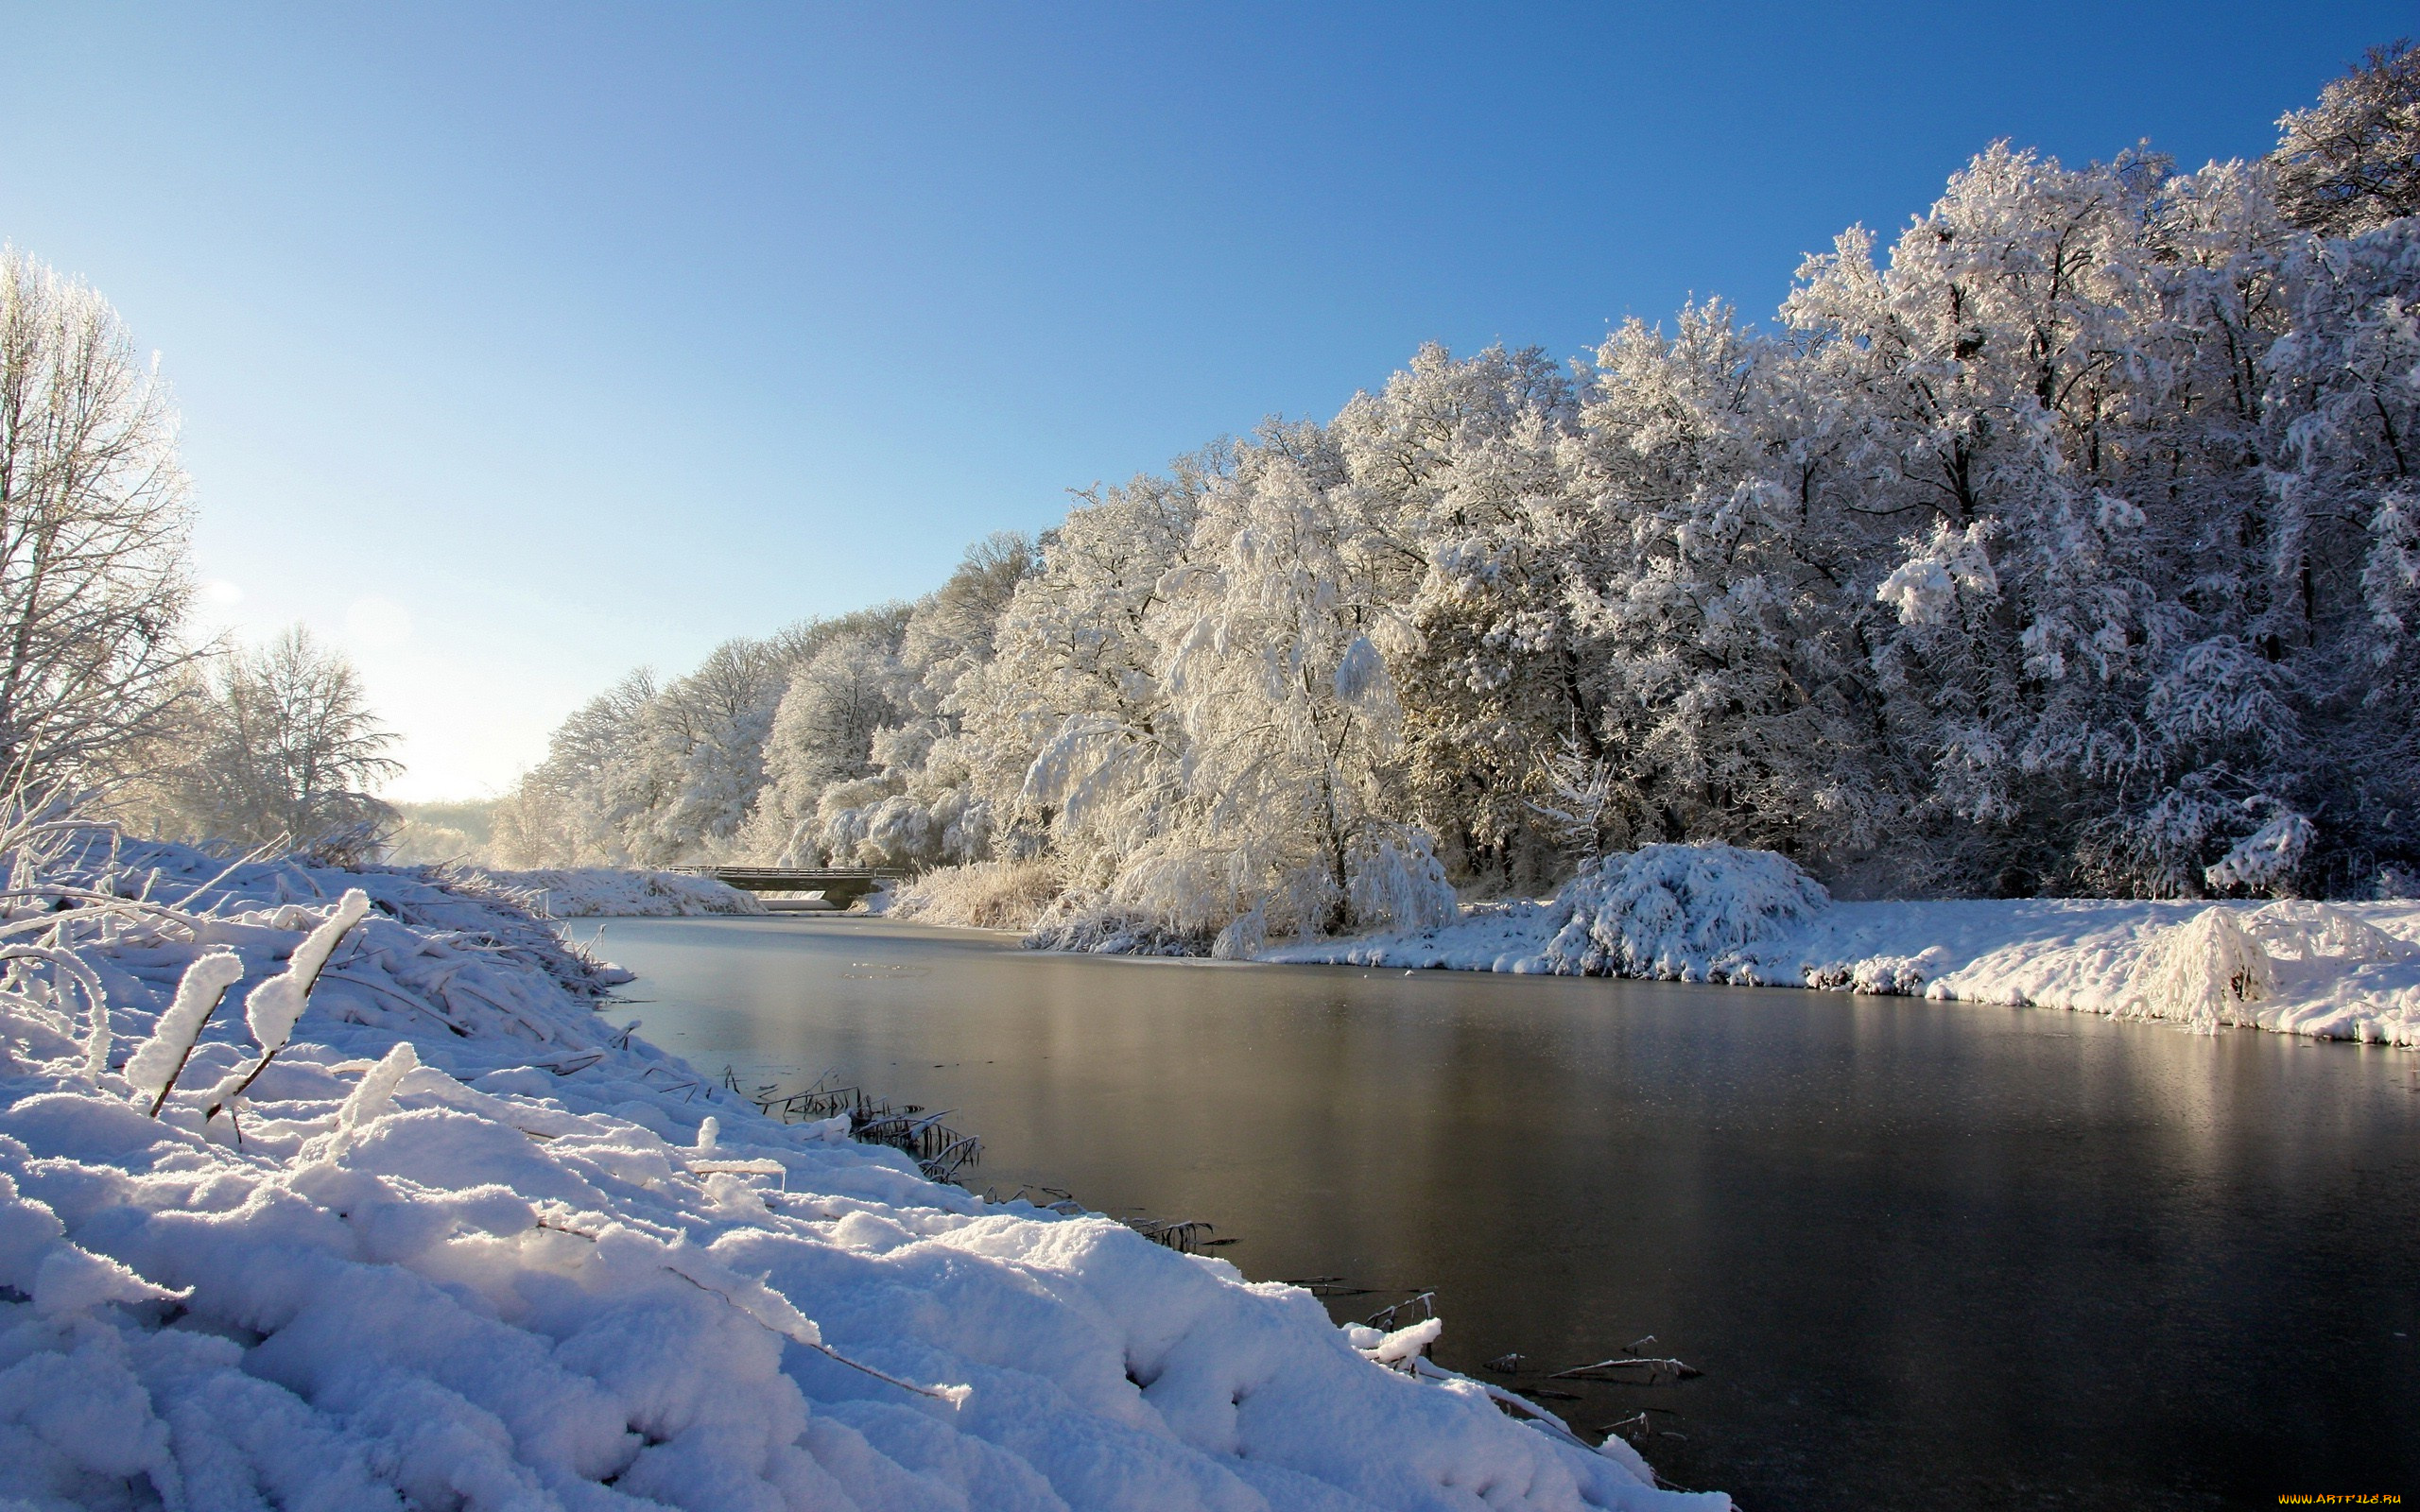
(519, 349)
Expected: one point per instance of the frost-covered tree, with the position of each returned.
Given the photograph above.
(570, 809)
(704, 736)
(283, 749)
(1454, 466)
(2026, 393)
(2344, 387)
(824, 731)
(94, 524)
(2351, 162)
(908, 801)
(2067, 541)
(1706, 582)
(1077, 669)
(1281, 816)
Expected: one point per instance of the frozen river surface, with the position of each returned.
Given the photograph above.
(1926, 1254)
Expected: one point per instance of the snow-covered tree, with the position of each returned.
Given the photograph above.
(2344, 392)
(2067, 541)
(569, 810)
(824, 730)
(282, 748)
(2351, 162)
(1456, 475)
(1076, 672)
(1281, 816)
(94, 523)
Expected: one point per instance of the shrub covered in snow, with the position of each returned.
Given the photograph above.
(1095, 923)
(2297, 930)
(2203, 969)
(1679, 911)
(460, 1244)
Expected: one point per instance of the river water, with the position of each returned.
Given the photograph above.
(1925, 1255)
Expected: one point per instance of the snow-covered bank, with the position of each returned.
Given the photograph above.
(586, 892)
(2347, 970)
(464, 1243)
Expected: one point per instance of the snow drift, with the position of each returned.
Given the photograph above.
(1714, 913)
(460, 1243)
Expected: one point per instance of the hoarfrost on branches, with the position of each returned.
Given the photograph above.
(2062, 543)
(1686, 912)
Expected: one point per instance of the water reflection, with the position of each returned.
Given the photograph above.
(1924, 1252)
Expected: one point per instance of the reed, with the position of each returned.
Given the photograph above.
(942, 1152)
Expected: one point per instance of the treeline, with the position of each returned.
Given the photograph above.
(2069, 544)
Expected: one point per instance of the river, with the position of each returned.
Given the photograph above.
(1926, 1254)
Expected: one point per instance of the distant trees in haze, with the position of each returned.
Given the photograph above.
(436, 832)
(274, 745)
(2067, 541)
(284, 748)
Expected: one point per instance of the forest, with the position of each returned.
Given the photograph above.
(2066, 543)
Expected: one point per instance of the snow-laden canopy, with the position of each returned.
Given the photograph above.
(2066, 544)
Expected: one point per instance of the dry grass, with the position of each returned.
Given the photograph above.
(981, 895)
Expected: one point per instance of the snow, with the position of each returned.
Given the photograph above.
(584, 892)
(273, 1006)
(2345, 971)
(1670, 910)
(463, 1243)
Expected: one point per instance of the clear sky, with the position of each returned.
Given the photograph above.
(519, 346)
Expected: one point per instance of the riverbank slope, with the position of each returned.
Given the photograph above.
(453, 1239)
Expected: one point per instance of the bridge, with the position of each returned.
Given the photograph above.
(839, 885)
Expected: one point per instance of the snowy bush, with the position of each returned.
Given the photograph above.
(1093, 923)
(2298, 931)
(462, 1245)
(1685, 912)
(2205, 970)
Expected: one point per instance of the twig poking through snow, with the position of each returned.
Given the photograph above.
(156, 1065)
(376, 1090)
(273, 1006)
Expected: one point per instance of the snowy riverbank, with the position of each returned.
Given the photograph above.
(462, 1243)
(591, 892)
(2345, 970)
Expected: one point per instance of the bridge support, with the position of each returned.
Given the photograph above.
(841, 886)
